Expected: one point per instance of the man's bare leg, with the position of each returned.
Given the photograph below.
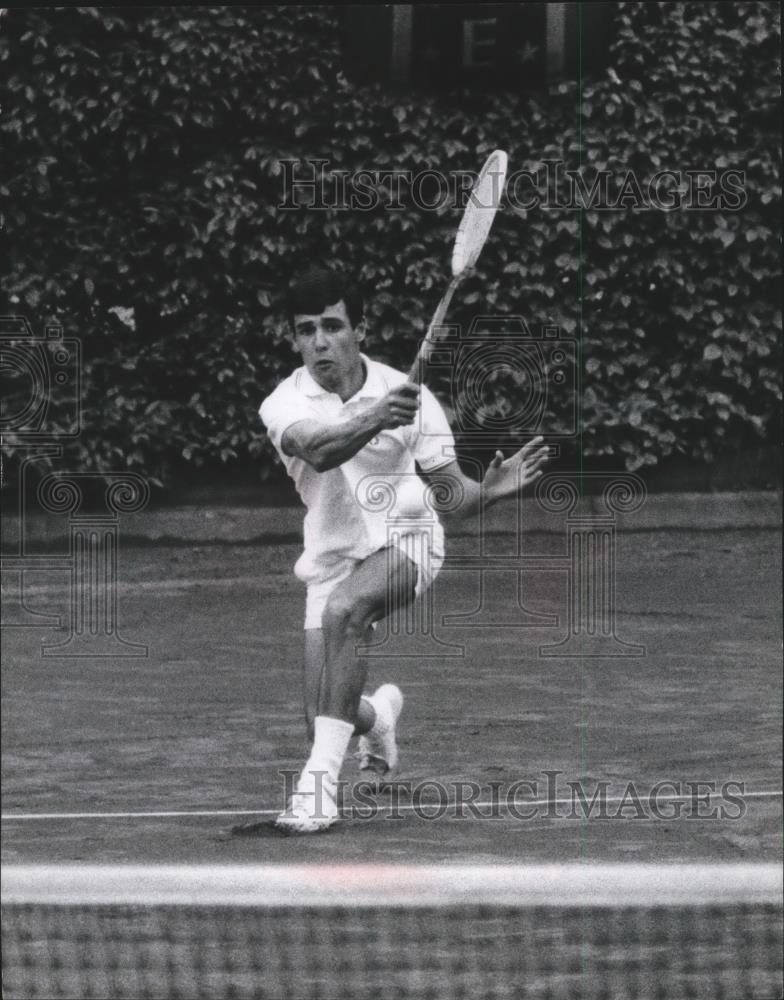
(384, 582)
(313, 682)
(378, 586)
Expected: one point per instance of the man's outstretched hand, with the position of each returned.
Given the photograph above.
(506, 476)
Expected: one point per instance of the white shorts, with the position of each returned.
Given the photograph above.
(425, 551)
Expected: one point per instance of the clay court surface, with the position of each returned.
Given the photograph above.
(205, 723)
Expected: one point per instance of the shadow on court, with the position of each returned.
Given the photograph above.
(207, 724)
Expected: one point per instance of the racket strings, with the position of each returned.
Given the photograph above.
(483, 203)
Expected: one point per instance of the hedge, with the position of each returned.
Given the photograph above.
(144, 173)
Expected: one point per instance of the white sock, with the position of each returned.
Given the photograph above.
(330, 744)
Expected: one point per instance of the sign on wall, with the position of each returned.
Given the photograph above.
(434, 47)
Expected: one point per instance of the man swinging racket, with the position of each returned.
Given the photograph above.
(335, 421)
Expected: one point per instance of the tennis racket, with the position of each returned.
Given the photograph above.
(472, 232)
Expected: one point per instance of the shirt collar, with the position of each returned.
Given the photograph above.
(373, 387)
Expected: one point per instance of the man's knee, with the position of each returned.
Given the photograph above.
(345, 616)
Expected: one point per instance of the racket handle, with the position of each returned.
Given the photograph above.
(415, 370)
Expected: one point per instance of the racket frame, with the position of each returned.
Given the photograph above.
(415, 371)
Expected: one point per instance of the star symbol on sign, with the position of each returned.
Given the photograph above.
(527, 53)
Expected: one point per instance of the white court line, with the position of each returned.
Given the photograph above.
(380, 806)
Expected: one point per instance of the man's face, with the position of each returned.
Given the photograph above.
(328, 343)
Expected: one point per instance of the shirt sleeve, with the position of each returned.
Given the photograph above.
(280, 410)
(433, 444)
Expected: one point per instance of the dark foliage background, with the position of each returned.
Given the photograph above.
(142, 172)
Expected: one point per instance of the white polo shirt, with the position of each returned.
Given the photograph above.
(350, 509)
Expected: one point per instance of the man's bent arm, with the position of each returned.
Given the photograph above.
(326, 446)
(503, 478)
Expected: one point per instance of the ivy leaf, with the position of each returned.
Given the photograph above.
(237, 98)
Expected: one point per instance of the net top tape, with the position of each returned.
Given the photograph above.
(522, 886)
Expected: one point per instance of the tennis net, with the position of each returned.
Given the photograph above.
(365, 931)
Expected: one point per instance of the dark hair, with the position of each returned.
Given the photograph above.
(315, 289)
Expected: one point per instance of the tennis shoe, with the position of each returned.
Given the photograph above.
(377, 751)
(313, 807)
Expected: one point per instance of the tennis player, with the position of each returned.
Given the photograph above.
(338, 423)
